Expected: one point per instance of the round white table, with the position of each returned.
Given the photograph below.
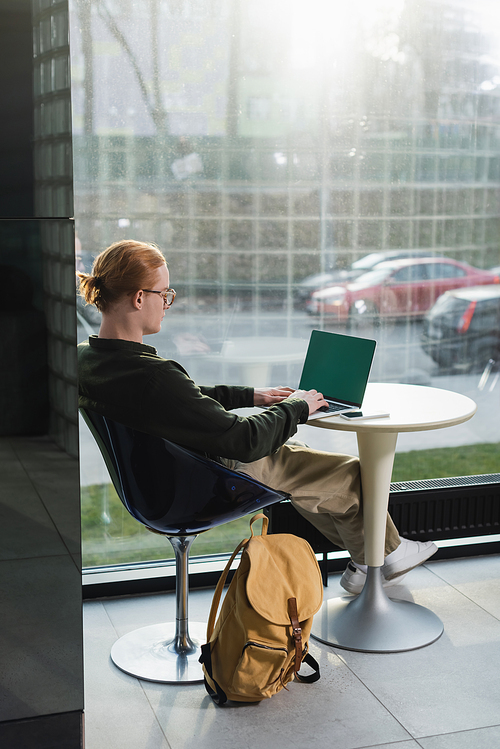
(372, 622)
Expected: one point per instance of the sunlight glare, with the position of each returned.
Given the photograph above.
(322, 30)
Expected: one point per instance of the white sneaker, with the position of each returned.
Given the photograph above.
(353, 579)
(408, 555)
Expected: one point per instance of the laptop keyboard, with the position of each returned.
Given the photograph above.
(332, 408)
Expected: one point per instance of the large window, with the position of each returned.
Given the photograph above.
(268, 147)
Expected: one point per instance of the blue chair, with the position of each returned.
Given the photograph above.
(178, 494)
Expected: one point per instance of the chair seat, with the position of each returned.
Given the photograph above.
(171, 489)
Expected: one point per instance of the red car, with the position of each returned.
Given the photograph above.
(398, 288)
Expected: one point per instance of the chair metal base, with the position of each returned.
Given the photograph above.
(155, 654)
(167, 653)
(373, 623)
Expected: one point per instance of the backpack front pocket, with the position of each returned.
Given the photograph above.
(258, 673)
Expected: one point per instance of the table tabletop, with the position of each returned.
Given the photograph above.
(412, 408)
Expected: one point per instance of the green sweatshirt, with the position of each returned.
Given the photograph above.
(130, 383)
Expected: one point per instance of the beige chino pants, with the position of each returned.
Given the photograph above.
(325, 489)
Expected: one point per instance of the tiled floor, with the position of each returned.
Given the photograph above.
(444, 696)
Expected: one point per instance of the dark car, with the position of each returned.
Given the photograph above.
(463, 328)
(319, 280)
(398, 288)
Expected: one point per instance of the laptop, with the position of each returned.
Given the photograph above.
(337, 366)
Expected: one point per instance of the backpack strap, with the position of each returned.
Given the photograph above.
(223, 577)
(313, 663)
(219, 589)
(296, 632)
(297, 636)
(218, 696)
(265, 523)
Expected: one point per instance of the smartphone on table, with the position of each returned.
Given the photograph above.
(358, 415)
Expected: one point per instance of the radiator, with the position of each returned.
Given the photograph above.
(431, 509)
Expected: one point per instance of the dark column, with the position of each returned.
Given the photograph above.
(41, 675)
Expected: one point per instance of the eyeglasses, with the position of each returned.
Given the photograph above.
(168, 295)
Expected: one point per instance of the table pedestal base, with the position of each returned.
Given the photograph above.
(373, 623)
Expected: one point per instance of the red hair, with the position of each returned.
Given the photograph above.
(123, 268)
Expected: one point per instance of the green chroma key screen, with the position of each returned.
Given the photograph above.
(338, 366)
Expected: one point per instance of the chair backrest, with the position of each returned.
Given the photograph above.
(171, 489)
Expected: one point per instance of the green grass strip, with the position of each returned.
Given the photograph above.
(111, 536)
(466, 460)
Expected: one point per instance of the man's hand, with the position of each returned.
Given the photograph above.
(270, 396)
(313, 399)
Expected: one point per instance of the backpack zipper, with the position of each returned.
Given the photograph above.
(265, 647)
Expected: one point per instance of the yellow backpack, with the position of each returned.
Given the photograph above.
(261, 635)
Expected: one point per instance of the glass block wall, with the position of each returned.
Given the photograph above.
(261, 144)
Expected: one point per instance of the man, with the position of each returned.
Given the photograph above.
(125, 379)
